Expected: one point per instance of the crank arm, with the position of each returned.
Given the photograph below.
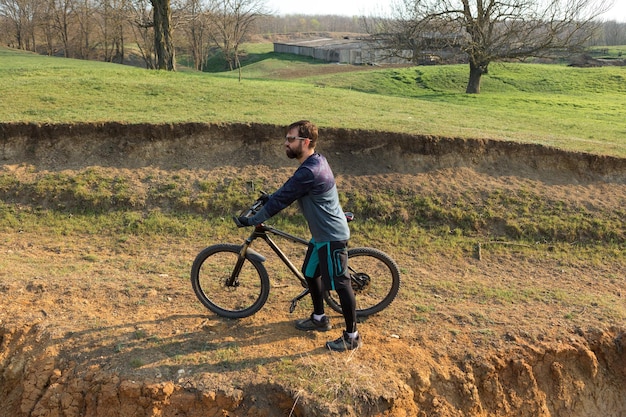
(294, 301)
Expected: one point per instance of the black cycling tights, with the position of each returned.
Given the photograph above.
(346, 299)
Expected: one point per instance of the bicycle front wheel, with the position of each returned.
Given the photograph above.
(375, 281)
(211, 274)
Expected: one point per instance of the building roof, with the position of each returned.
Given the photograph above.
(326, 43)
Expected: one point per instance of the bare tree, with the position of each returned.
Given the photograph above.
(22, 15)
(61, 14)
(231, 23)
(84, 11)
(614, 33)
(163, 42)
(143, 30)
(194, 24)
(490, 30)
(112, 19)
(46, 24)
(153, 32)
(272, 24)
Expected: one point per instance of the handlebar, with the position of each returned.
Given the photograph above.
(254, 208)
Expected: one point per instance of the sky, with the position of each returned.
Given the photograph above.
(618, 12)
(330, 7)
(372, 7)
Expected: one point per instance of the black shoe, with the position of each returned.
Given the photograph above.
(309, 324)
(344, 343)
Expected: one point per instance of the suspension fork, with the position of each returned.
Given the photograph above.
(233, 280)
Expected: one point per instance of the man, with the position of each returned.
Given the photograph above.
(326, 262)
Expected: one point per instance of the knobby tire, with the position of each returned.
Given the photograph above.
(376, 281)
(209, 273)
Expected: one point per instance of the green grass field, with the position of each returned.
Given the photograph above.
(574, 108)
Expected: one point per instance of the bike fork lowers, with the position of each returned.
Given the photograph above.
(233, 280)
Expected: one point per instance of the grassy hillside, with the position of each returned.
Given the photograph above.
(573, 108)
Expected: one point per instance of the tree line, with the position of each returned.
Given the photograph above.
(106, 29)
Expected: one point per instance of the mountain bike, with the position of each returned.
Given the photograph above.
(231, 280)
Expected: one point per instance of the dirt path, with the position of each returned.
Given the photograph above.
(108, 325)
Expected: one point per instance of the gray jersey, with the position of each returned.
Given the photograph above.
(313, 186)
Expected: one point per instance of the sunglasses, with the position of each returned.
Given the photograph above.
(290, 139)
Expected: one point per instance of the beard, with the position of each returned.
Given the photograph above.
(291, 154)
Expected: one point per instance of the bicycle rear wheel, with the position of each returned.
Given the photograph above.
(212, 269)
(375, 280)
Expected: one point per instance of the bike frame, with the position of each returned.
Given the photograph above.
(264, 231)
(368, 262)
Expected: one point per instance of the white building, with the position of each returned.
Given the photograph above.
(343, 51)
